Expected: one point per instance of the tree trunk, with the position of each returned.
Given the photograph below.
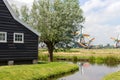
(50, 47)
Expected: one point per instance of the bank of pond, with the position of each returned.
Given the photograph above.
(41, 71)
(99, 66)
(108, 60)
(67, 70)
(113, 76)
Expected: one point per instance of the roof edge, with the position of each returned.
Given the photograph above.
(17, 19)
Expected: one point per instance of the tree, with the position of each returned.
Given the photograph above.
(25, 14)
(54, 20)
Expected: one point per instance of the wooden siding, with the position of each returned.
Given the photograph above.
(16, 51)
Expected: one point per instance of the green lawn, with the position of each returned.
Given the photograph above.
(114, 76)
(36, 72)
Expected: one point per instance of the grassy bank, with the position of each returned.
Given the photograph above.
(114, 76)
(36, 72)
(92, 55)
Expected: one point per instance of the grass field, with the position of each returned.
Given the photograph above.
(76, 54)
(36, 72)
(113, 76)
(86, 52)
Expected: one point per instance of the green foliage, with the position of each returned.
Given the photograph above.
(111, 59)
(92, 59)
(66, 50)
(75, 59)
(54, 20)
(43, 57)
(25, 14)
(36, 72)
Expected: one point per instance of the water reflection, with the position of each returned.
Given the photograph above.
(108, 64)
(82, 65)
(88, 71)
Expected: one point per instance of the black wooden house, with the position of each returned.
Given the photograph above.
(18, 41)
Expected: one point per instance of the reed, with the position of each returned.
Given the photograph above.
(93, 55)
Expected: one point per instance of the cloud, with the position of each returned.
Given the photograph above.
(25, 1)
(92, 5)
(102, 19)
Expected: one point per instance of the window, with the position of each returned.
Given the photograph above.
(18, 37)
(3, 36)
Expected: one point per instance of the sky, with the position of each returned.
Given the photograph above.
(102, 18)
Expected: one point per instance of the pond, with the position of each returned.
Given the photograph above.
(90, 71)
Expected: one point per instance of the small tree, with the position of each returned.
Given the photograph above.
(54, 20)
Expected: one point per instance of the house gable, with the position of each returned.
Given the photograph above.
(17, 19)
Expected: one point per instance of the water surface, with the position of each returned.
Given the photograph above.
(89, 71)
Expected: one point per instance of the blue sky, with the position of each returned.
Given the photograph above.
(82, 2)
(102, 18)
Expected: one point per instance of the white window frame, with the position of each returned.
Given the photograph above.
(22, 38)
(4, 41)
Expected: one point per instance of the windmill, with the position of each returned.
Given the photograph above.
(116, 40)
(81, 38)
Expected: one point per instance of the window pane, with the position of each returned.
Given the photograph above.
(2, 37)
(18, 37)
(0, 34)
